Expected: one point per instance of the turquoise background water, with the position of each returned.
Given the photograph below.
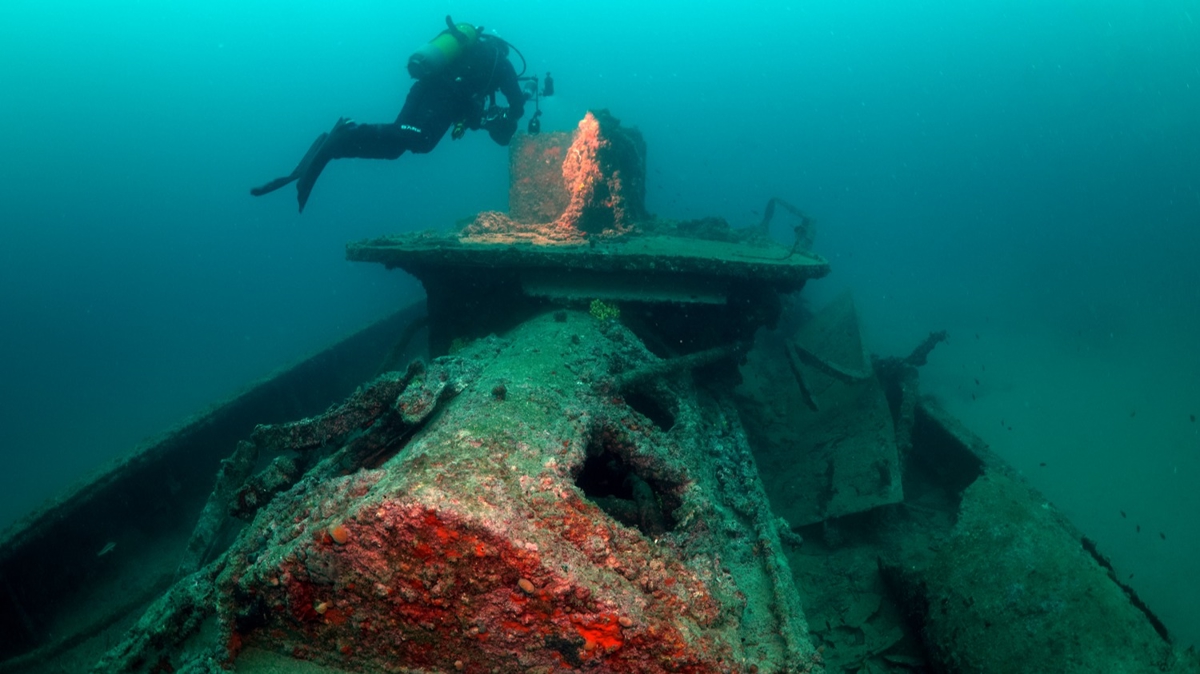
(1026, 174)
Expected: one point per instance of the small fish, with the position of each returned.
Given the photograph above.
(972, 396)
(977, 335)
(1192, 417)
(1042, 464)
(1122, 514)
(1133, 414)
(1131, 576)
(1162, 535)
(977, 382)
(1139, 528)
(108, 547)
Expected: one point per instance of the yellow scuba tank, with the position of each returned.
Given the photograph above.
(440, 52)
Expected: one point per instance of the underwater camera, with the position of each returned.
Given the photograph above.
(533, 91)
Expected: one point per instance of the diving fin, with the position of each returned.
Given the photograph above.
(297, 172)
(314, 162)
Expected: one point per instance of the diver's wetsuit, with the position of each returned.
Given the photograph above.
(433, 105)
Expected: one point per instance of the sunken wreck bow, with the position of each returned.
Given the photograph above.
(608, 465)
(556, 498)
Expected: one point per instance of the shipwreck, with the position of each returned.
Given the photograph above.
(605, 442)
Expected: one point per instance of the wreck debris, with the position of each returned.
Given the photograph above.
(919, 355)
(900, 377)
(981, 573)
(590, 187)
(369, 419)
(561, 499)
(1049, 602)
(302, 444)
(151, 644)
(258, 489)
(804, 230)
(820, 364)
(693, 294)
(805, 392)
(477, 538)
(234, 471)
(786, 606)
(825, 441)
(371, 426)
(663, 368)
(332, 428)
(829, 367)
(568, 241)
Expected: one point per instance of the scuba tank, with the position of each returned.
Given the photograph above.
(437, 55)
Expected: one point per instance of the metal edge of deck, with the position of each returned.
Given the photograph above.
(938, 428)
(777, 266)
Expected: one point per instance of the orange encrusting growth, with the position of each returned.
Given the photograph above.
(435, 569)
(339, 534)
(602, 632)
(597, 204)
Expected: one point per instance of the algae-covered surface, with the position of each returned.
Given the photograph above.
(559, 498)
(556, 498)
(1015, 589)
(669, 255)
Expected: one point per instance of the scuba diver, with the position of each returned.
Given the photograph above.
(457, 75)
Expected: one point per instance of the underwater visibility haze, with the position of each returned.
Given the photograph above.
(1025, 175)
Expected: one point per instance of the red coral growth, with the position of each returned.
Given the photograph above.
(603, 632)
(427, 586)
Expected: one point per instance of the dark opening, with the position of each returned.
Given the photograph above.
(635, 500)
(649, 407)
